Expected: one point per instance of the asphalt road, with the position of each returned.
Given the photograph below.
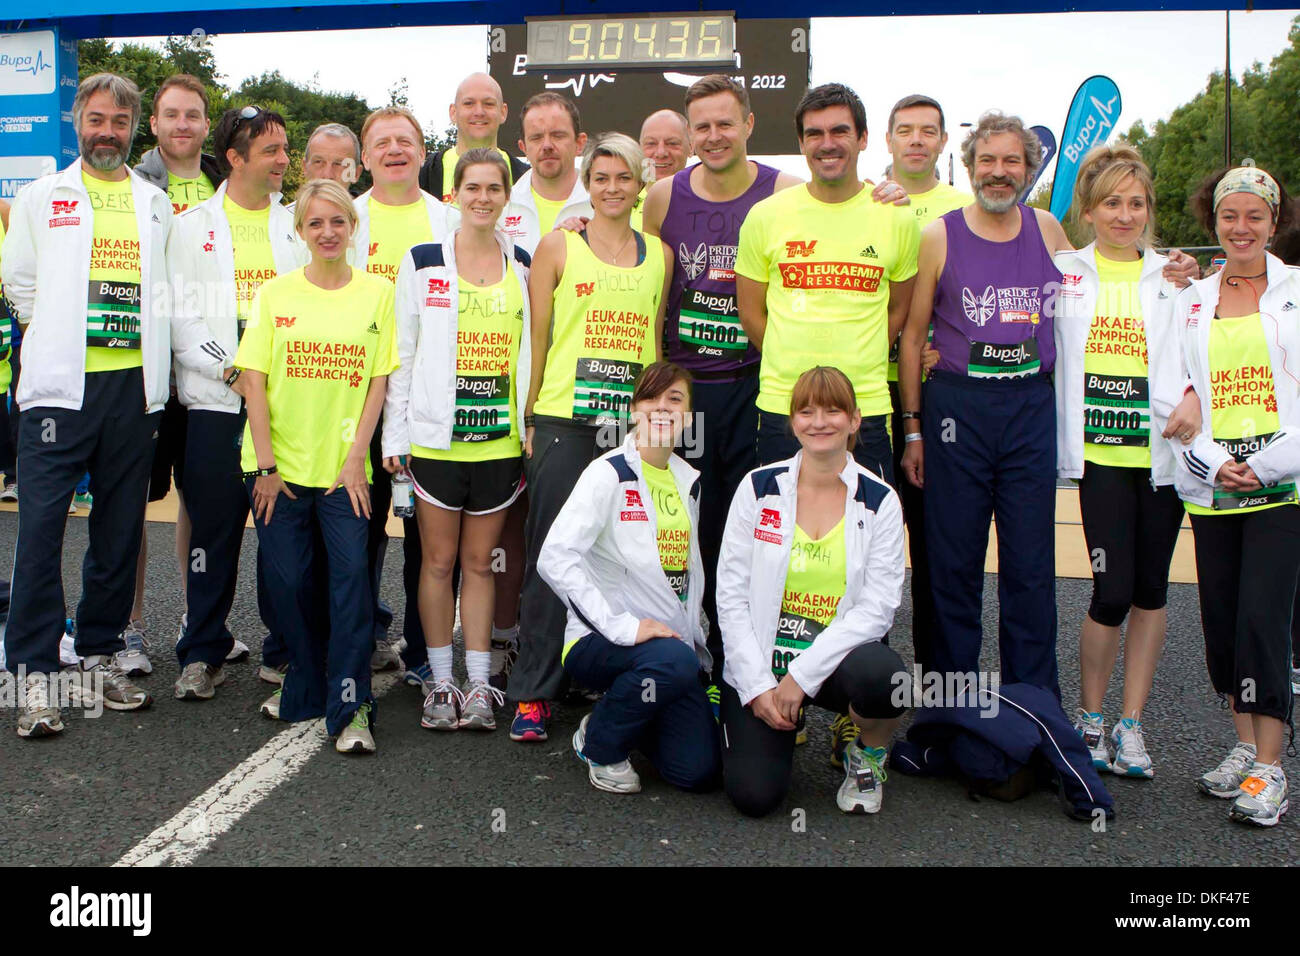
(95, 792)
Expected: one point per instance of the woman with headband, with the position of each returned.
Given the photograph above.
(1240, 336)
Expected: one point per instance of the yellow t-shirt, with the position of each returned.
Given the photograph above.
(449, 160)
(113, 299)
(814, 584)
(638, 211)
(254, 263)
(1243, 409)
(185, 193)
(602, 334)
(547, 212)
(393, 231)
(827, 267)
(488, 332)
(319, 349)
(1116, 396)
(674, 527)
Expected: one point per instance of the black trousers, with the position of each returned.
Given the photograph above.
(757, 760)
(1246, 566)
(925, 625)
(776, 442)
(112, 437)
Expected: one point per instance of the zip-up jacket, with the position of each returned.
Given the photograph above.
(601, 557)
(755, 558)
(1279, 309)
(46, 277)
(440, 223)
(520, 220)
(205, 328)
(421, 400)
(152, 169)
(1075, 308)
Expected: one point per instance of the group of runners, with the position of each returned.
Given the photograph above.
(662, 423)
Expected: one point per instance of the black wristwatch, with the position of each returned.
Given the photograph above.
(234, 374)
(260, 473)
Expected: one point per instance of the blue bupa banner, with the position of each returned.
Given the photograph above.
(38, 80)
(1092, 118)
(1048, 142)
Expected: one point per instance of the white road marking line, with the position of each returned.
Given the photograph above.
(191, 831)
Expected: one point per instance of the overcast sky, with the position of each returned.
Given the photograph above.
(1028, 64)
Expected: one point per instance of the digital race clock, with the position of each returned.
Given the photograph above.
(658, 41)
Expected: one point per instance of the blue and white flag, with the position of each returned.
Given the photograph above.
(1091, 120)
(1048, 142)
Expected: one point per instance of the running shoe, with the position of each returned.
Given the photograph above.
(38, 716)
(386, 656)
(101, 680)
(1262, 797)
(1225, 780)
(1131, 757)
(239, 652)
(10, 492)
(273, 675)
(134, 658)
(531, 718)
(504, 654)
(843, 732)
(356, 737)
(442, 706)
(1295, 681)
(68, 644)
(610, 777)
(1092, 728)
(199, 681)
(801, 730)
(863, 788)
(271, 706)
(84, 499)
(72, 505)
(478, 699)
(715, 701)
(420, 676)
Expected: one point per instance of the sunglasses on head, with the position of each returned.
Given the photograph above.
(246, 114)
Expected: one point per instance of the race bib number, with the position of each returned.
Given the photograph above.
(710, 324)
(1015, 360)
(1116, 410)
(794, 635)
(1279, 494)
(482, 408)
(113, 314)
(677, 581)
(602, 390)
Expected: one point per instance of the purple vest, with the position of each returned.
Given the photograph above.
(993, 304)
(702, 330)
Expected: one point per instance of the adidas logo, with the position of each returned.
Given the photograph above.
(1163, 294)
(869, 253)
(1290, 306)
(374, 327)
(156, 219)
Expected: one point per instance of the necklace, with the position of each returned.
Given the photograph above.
(1234, 282)
(619, 252)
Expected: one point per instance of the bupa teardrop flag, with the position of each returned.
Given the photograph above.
(1091, 120)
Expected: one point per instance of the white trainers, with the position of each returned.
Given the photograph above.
(1131, 757)
(1225, 779)
(610, 777)
(38, 716)
(863, 788)
(356, 737)
(1092, 728)
(1262, 796)
(134, 658)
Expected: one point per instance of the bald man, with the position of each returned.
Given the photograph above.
(666, 142)
(477, 113)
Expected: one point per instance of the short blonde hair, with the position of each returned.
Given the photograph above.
(617, 146)
(392, 112)
(1102, 170)
(328, 190)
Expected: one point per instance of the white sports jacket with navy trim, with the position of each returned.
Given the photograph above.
(755, 558)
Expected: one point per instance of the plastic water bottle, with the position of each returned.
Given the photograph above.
(403, 494)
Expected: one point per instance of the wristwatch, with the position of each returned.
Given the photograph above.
(260, 472)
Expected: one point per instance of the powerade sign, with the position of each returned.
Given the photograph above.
(1093, 115)
(38, 80)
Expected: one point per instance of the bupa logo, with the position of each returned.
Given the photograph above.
(769, 518)
(63, 207)
(285, 321)
(439, 287)
(632, 498)
(584, 288)
(800, 247)
(374, 247)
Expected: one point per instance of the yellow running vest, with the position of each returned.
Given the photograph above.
(814, 584)
(1116, 394)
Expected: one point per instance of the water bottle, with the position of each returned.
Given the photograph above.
(403, 493)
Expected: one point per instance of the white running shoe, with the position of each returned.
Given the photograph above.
(1131, 757)
(1225, 780)
(610, 777)
(1092, 728)
(134, 658)
(863, 788)
(1262, 797)
(38, 716)
(239, 652)
(10, 492)
(68, 650)
(1295, 681)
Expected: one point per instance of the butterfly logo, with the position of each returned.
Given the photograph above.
(979, 310)
(693, 262)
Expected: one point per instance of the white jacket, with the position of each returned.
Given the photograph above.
(440, 223)
(205, 327)
(520, 220)
(1075, 308)
(755, 558)
(601, 557)
(421, 400)
(46, 275)
(1279, 310)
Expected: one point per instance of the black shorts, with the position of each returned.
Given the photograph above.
(169, 450)
(474, 487)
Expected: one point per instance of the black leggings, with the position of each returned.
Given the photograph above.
(1131, 530)
(757, 760)
(1247, 566)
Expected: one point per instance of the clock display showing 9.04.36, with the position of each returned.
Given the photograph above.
(610, 42)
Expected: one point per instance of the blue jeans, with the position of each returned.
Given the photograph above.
(654, 702)
(328, 675)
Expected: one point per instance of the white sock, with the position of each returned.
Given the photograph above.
(478, 664)
(440, 662)
(507, 635)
